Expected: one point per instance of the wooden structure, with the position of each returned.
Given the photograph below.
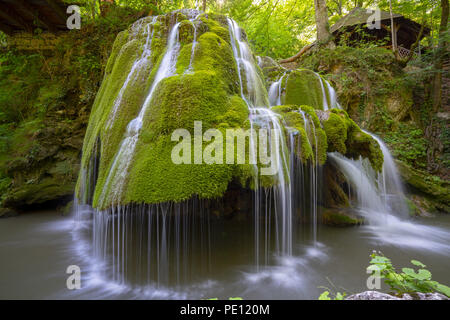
(404, 36)
(18, 16)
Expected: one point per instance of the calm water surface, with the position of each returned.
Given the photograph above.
(36, 249)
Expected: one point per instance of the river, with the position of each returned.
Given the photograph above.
(36, 249)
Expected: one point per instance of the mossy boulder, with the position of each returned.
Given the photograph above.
(40, 192)
(310, 138)
(341, 218)
(303, 87)
(432, 193)
(346, 137)
(204, 86)
(331, 131)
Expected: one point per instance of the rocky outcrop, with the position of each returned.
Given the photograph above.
(430, 193)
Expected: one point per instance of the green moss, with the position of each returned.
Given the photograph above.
(303, 88)
(345, 136)
(38, 192)
(421, 182)
(336, 218)
(209, 92)
(336, 130)
(311, 140)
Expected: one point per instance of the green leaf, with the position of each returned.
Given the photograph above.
(324, 296)
(418, 263)
(443, 289)
(423, 274)
(235, 298)
(379, 259)
(340, 296)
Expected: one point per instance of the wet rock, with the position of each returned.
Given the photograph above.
(375, 295)
(435, 191)
(341, 218)
(372, 295)
(66, 209)
(424, 296)
(7, 213)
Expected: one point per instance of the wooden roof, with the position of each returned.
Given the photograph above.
(360, 16)
(28, 15)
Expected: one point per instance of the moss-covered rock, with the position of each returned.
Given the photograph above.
(304, 87)
(310, 139)
(36, 193)
(341, 218)
(203, 87)
(7, 213)
(331, 131)
(346, 137)
(431, 193)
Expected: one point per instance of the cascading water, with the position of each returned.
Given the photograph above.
(258, 102)
(275, 91)
(165, 242)
(116, 178)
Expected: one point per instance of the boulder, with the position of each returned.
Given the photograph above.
(375, 295)
(7, 213)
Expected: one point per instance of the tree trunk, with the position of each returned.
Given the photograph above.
(442, 53)
(393, 30)
(323, 27)
(204, 6)
(434, 130)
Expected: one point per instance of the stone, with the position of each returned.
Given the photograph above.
(7, 213)
(375, 295)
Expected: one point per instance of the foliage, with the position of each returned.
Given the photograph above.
(230, 298)
(274, 29)
(335, 295)
(408, 144)
(407, 281)
(338, 296)
(45, 99)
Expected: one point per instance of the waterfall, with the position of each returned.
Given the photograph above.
(115, 180)
(378, 194)
(138, 65)
(389, 181)
(164, 242)
(275, 91)
(262, 117)
(194, 43)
